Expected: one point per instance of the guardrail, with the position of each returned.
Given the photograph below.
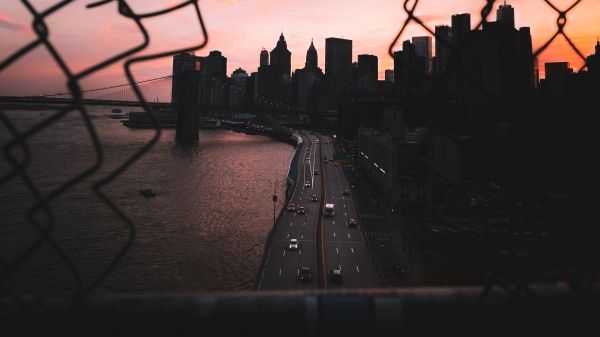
(358, 312)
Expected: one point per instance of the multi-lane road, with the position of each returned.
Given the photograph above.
(340, 246)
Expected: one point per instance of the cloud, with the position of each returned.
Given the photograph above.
(6, 22)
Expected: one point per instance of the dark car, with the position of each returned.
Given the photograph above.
(305, 274)
(301, 210)
(314, 197)
(399, 270)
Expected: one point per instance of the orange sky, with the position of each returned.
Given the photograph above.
(240, 28)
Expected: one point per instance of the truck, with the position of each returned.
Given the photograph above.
(329, 210)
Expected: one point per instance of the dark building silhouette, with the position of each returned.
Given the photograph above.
(506, 15)
(557, 76)
(368, 69)
(183, 63)
(423, 49)
(281, 58)
(305, 97)
(338, 66)
(312, 59)
(443, 49)
(213, 75)
(498, 60)
(184, 94)
(405, 67)
(461, 26)
(593, 61)
(237, 89)
(273, 83)
(389, 75)
(264, 57)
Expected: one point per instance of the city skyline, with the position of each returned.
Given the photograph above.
(230, 22)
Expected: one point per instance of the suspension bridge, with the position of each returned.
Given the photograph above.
(157, 92)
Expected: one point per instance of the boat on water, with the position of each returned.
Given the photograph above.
(147, 192)
(209, 123)
(167, 119)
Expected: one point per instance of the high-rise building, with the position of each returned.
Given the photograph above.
(405, 61)
(184, 63)
(423, 49)
(389, 75)
(264, 57)
(305, 81)
(312, 59)
(443, 49)
(281, 58)
(184, 94)
(213, 73)
(461, 25)
(506, 15)
(368, 69)
(237, 89)
(338, 65)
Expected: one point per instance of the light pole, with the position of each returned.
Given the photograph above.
(274, 201)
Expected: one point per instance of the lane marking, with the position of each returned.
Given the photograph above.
(298, 272)
(334, 234)
(357, 269)
(348, 236)
(336, 251)
(288, 236)
(345, 214)
(300, 251)
(284, 252)
(279, 271)
(352, 249)
(333, 222)
(301, 236)
(291, 224)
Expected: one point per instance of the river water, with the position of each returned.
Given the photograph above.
(205, 230)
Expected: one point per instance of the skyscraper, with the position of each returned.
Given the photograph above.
(281, 58)
(461, 25)
(367, 72)
(338, 65)
(443, 38)
(184, 94)
(264, 57)
(212, 78)
(184, 63)
(311, 57)
(423, 49)
(506, 15)
(305, 81)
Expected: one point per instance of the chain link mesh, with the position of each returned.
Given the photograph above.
(19, 142)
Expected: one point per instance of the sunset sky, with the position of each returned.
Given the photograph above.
(240, 28)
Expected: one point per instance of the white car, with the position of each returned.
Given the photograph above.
(293, 244)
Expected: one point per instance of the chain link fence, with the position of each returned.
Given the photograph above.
(40, 216)
(12, 150)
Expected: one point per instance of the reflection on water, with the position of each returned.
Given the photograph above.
(204, 230)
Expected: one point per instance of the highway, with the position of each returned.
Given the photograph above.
(282, 266)
(342, 246)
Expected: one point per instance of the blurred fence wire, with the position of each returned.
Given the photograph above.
(17, 150)
(20, 139)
